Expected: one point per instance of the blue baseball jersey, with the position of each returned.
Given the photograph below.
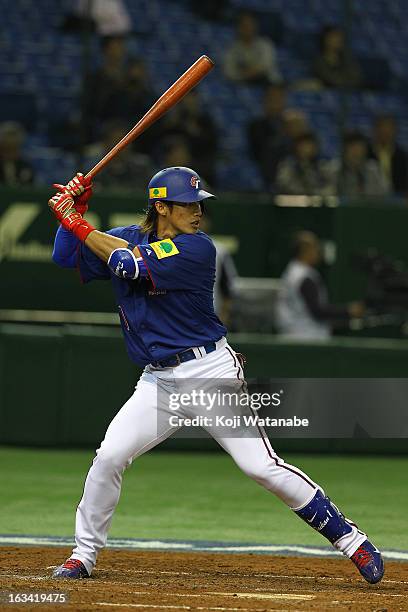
(172, 309)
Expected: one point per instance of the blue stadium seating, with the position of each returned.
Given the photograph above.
(40, 70)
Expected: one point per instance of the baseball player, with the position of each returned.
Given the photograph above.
(162, 274)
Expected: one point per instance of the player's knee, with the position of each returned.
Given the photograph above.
(110, 460)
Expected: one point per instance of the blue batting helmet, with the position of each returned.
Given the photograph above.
(177, 185)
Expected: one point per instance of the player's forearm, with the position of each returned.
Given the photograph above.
(103, 244)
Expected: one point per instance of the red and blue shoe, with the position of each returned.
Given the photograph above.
(72, 568)
(369, 562)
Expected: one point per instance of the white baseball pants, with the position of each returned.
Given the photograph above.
(134, 430)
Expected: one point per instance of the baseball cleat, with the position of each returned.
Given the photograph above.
(72, 568)
(369, 562)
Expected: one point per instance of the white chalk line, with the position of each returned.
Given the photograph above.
(236, 595)
(387, 595)
(285, 596)
(20, 577)
(85, 583)
(169, 607)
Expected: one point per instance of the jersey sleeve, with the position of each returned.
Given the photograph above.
(187, 262)
(65, 249)
(90, 266)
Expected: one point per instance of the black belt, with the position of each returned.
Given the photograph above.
(188, 355)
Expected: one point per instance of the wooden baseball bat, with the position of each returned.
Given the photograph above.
(170, 98)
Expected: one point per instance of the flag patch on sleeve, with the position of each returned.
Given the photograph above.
(164, 248)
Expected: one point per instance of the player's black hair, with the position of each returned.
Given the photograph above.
(150, 222)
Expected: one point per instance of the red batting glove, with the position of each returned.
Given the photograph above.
(80, 188)
(62, 205)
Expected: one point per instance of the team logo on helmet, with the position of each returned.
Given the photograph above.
(195, 181)
(158, 192)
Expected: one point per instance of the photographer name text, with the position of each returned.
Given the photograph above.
(236, 421)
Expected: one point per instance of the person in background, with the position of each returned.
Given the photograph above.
(14, 169)
(267, 138)
(251, 59)
(111, 17)
(189, 121)
(392, 159)
(335, 66)
(272, 136)
(303, 173)
(176, 152)
(355, 174)
(213, 10)
(295, 124)
(118, 90)
(124, 169)
(303, 310)
(225, 274)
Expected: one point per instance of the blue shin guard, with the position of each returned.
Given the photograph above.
(321, 514)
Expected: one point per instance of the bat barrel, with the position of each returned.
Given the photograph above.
(185, 83)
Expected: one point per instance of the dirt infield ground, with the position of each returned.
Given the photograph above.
(127, 580)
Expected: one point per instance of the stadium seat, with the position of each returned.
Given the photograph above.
(21, 107)
(376, 72)
(38, 64)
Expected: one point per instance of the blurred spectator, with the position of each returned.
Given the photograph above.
(176, 153)
(355, 174)
(268, 141)
(295, 124)
(251, 59)
(225, 274)
(393, 160)
(14, 169)
(303, 310)
(335, 67)
(110, 17)
(119, 89)
(214, 10)
(303, 173)
(197, 128)
(271, 137)
(128, 170)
